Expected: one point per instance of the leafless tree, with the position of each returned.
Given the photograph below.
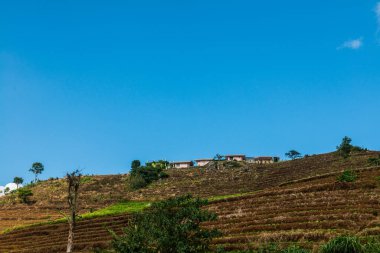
(73, 180)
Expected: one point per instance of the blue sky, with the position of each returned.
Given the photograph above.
(95, 84)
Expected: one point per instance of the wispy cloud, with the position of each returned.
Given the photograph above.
(352, 44)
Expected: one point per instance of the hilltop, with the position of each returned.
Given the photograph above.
(292, 201)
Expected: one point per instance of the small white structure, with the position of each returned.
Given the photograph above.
(182, 164)
(203, 162)
(9, 187)
(235, 157)
(12, 186)
(263, 159)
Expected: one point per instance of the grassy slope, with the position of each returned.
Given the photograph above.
(101, 191)
(307, 213)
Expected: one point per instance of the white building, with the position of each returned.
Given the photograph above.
(182, 164)
(10, 187)
(203, 162)
(235, 157)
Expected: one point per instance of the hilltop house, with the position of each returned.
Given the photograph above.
(263, 159)
(235, 157)
(203, 162)
(238, 157)
(182, 164)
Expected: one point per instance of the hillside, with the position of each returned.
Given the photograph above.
(290, 202)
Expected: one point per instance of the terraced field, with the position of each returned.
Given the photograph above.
(306, 213)
(290, 202)
(16, 216)
(208, 182)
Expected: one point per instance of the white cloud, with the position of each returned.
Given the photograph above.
(352, 44)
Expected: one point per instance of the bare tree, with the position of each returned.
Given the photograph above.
(73, 180)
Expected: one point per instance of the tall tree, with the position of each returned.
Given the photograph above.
(293, 154)
(345, 147)
(73, 180)
(37, 168)
(18, 181)
(135, 164)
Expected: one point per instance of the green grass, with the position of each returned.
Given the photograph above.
(123, 207)
(120, 208)
(214, 198)
(85, 179)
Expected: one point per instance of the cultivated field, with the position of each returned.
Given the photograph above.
(290, 202)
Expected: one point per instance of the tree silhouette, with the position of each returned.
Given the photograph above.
(37, 168)
(293, 154)
(18, 181)
(73, 180)
(345, 147)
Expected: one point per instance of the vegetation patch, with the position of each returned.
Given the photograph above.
(348, 176)
(351, 244)
(86, 179)
(120, 208)
(374, 161)
(123, 207)
(142, 176)
(228, 196)
(172, 225)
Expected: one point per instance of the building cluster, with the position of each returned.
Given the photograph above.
(236, 157)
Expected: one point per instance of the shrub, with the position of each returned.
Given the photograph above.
(143, 175)
(136, 182)
(23, 194)
(273, 248)
(294, 249)
(374, 161)
(372, 246)
(358, 149)
(171, 225)
(343, 244)
(85, 179)
(232, 164)
(344, 149)
(347, 176)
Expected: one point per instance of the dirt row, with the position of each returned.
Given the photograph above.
(303, 213)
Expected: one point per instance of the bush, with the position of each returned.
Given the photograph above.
(346, 148)
(374, 161)
(347, 176)
(171, 225)
(358, 149)
(136, 182)
(273, 248)
(23, 194)
(232, 164)
(143, 175)
(294, 249)
(343, 244)
(372, 246)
